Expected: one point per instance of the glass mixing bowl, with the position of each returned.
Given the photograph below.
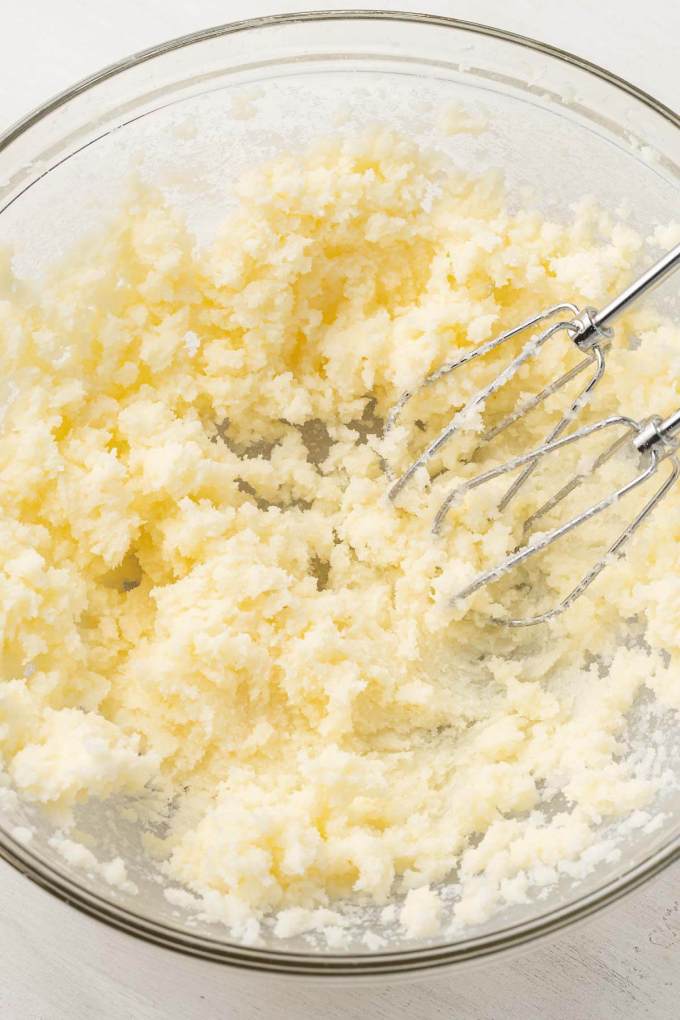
(189, 116)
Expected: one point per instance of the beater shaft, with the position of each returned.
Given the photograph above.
(594, 323)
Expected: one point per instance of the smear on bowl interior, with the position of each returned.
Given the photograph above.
(205, 593)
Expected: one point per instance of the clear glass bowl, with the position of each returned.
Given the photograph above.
(179, 115)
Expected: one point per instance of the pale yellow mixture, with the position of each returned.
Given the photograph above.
(202, 596)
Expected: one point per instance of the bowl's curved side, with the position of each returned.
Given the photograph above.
(310, 965)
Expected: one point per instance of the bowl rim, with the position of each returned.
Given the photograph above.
(22, 125)
(315, 964)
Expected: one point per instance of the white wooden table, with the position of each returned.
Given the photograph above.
(56, 964)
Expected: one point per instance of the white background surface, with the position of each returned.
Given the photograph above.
(56, 964)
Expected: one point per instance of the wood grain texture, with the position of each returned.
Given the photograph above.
(56, 964)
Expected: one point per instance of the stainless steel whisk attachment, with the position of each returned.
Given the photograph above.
(591, 333)
(654, 439)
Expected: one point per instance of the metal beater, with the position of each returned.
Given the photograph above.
(654, 439)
